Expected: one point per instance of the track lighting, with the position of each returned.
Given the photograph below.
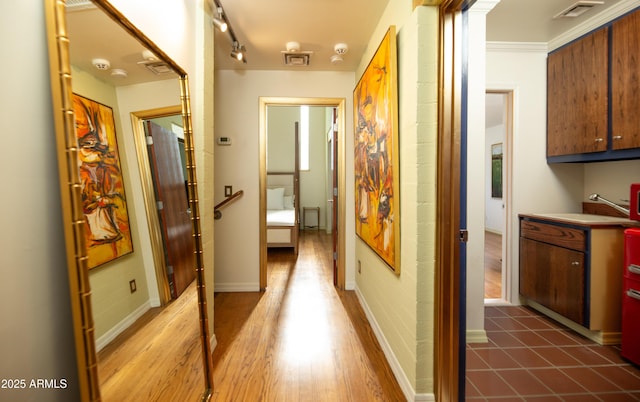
(220, 24)
(238, 52)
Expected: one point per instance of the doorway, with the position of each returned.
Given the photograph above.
(339, 210)
(161, 275)
(498, 145)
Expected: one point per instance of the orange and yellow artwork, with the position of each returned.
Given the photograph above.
(107, 232)
(376, 154)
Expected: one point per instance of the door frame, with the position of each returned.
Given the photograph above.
(148, 195)
(340, 105)
(507, 196)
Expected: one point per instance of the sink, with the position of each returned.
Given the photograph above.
(587, 218)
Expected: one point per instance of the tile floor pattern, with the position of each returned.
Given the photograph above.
(530, 357)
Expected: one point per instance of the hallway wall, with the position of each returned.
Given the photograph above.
(237, 116)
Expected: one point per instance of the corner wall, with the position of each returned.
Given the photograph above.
(401, 308)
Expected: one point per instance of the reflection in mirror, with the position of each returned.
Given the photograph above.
(139, 306)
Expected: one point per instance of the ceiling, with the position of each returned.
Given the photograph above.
(264, 28)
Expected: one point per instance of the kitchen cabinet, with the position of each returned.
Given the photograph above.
(577, 82)
(593, 94)
(625, 82)
(574, 268)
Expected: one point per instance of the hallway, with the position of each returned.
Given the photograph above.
(301, 339)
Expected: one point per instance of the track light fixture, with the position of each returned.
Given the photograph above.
(238, 51)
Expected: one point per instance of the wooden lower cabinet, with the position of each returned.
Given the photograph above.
(554, 277)
(575, 273)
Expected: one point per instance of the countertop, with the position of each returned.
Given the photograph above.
(585, 219)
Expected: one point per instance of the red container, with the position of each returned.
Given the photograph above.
(631, 297)
(634, 206)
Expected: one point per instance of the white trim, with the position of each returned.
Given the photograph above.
(117, 329)
(402, 379)
(350, 285)
(477, 336)
(237, 287)
(611, 13)
(483, 6)
(525, 47)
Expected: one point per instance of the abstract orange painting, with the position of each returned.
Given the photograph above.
(107, 232)
(376, 154)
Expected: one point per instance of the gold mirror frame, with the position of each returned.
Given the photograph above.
(70, 185)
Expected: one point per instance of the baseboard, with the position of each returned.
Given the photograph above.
(476, 336)
(117, 329)
(350, 285)
(237, 287)
(402, 379)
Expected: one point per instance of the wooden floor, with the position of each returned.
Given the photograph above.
(492, 265)
(301, 339)
(159, 358)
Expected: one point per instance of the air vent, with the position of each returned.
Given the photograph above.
(77, 5)
(156, 66)
(297, 58)
(578, 8)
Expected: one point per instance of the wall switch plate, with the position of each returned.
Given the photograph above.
(132, 286)
(228, 191)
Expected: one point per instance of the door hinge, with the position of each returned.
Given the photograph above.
(335, 191)
(149, 140)
(464, 235)
(335, 256)
(159, 205)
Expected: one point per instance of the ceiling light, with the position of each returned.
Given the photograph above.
(148, 55)
(336, 59)
(293, 46)
(101, 64)
(578, 8)
(238, 52)
(341, 48)
(220, 24)
(119, 73)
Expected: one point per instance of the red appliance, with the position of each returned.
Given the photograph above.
(634, 206)
(631, 296)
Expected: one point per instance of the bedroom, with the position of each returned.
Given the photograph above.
(309, 200)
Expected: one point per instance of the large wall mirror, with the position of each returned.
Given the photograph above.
(130, 208)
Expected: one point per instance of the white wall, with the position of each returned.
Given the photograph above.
(612, 180)
(237, 116)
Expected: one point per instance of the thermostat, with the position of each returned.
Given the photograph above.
(224, 141)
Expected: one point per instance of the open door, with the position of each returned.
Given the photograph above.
(334, 204)
(173, 207)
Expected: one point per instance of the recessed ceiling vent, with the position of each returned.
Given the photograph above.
(77, 5)
(293, 56)
(157, 67)
(578, 8)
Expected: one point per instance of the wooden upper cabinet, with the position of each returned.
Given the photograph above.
(625, 82)
(577, 96)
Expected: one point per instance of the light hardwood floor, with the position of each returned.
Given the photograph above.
(300, 340)
(492, 265)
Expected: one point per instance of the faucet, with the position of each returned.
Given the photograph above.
(596, 197)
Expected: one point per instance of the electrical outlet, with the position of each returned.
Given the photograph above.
(227, 191)
(132, 286)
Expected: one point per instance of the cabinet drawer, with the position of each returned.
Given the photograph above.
(574, 239)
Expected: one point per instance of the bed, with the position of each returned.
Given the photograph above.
(282, 210)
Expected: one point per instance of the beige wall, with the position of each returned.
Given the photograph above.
(401, 307)
(237, 117)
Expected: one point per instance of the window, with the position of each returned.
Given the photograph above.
(304, 138)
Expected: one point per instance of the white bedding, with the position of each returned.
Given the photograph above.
(281, 217)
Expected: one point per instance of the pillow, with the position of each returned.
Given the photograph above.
(288, 202)
(275, 198)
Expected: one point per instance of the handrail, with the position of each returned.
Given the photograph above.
(216, 210)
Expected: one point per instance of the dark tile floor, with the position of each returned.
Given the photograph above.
(530, 357)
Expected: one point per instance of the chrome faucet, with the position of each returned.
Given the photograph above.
(596, 197)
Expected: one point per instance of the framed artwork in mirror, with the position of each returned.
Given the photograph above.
(496, 170)
(107, 231)
(376, 167)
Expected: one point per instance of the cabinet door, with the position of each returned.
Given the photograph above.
(625, 82)
(577, 83)
(554, 277)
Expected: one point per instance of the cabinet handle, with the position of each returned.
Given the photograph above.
(634, 269)
(575, 263)
(599, 139)
(617, 137)
(633, 294)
